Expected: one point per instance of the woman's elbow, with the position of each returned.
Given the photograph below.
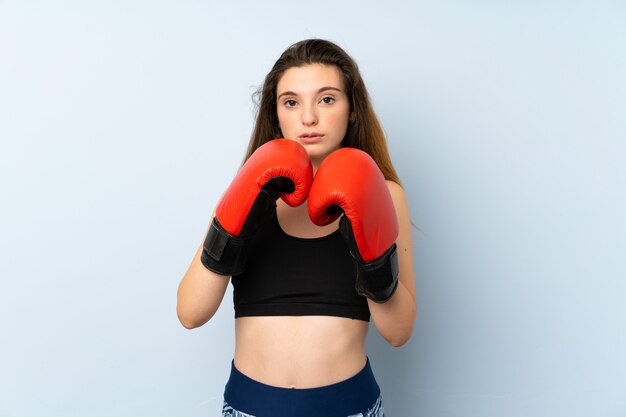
(190, 320)
(187, 323)
(398, 340)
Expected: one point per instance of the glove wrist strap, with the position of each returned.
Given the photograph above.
(222, 252)
(378, 280)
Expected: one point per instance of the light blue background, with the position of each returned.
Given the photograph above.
(121, 122)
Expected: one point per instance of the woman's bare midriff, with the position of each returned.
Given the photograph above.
(300, 351)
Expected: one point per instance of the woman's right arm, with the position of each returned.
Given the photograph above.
(200, 293)
(258, 184)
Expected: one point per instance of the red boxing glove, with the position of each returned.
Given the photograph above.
(278, 168)
(349, 180)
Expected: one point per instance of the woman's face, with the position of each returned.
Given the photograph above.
(313, 108)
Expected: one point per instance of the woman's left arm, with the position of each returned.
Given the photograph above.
(394, 319)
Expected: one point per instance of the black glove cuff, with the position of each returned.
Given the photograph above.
(378, 280)
(222, 252)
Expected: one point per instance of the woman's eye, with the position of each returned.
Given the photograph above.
(328, 100)
(290, 103)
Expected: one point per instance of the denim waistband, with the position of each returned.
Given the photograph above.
(344, 398)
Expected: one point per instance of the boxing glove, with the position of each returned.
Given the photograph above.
(278, 168)
(348, 181)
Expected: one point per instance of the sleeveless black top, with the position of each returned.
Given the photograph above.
(291, 276)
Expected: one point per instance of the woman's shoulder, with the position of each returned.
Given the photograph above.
(398, 196)
(396, 190)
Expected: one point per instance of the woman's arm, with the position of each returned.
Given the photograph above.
(200, 293)
(278, 167)
(394, 319)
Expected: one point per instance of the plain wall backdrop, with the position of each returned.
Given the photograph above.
(121, 123)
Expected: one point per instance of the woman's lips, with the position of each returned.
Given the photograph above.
(311, 138)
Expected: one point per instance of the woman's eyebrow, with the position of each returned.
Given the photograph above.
(321, 90)
(287, 93)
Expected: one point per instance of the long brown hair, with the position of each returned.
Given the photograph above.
(364, 130)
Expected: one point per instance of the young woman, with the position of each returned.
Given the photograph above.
(315, 232)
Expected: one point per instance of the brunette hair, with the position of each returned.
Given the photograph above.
(364, 130)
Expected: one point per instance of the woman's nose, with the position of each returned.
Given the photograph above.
(309, 116)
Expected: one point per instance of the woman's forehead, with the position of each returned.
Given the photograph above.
(310, 78)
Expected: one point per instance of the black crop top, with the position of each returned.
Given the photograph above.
(291, 276)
